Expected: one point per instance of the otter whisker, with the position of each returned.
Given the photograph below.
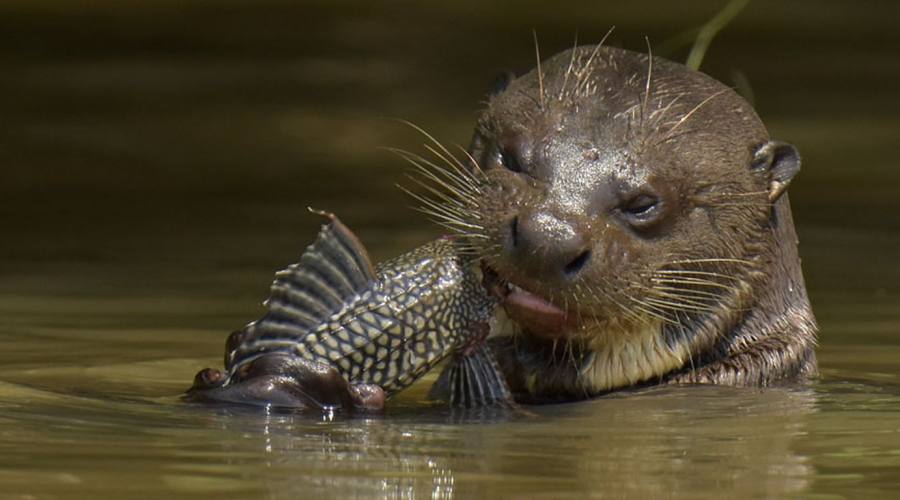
(457, 167)
(455, 162)
(682, 333)
(681, 299)
(692, 282)
(526, 113)
(673, 137)
(562, 90)
(455, 211)
(551, 359)
(468, 184)
(676, 306)
(452, 191)
(729, 260)
(679, 292)
(746, 205)
(688, 291)
(452, 195)
(434, 205)
(466, 249)
(663, 111)
(647, 83)
(676, 298)
(447, 214)
(457, 228)
(582, 300)
(609, 297)
(540, 72)
(473, 161)
(748, 193)
(623, 308)
(728, 200)
(691, 273)
(462, 178)
(447, 218)
(443, 215)
(652, 310)
(690, 113)
(576, 362)
(434, 141)
(584, 73)
(463, 189)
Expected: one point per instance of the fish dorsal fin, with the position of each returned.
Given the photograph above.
(333, 269)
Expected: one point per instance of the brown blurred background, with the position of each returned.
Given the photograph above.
(156, 161)
(159, 138)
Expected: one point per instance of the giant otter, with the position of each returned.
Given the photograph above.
(635, 212)
(640, 210)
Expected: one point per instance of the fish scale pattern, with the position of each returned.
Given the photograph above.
(384, 326)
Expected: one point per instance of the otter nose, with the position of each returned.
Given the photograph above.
(550, 246)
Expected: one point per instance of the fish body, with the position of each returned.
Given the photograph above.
(385, 326)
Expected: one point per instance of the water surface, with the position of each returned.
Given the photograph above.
(156, 162)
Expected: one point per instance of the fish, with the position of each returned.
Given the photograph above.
(384, 326)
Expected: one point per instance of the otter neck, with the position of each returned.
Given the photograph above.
(781, 305)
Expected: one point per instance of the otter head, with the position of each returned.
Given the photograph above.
(628, 202)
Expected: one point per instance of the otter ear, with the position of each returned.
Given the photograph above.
(500, 83)
(780, 162)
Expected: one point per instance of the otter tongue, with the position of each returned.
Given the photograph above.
(535, 314)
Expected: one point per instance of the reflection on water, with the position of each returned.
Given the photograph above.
(156, 162)
(558, 447)
(662, 442)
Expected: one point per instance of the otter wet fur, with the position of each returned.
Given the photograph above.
(342, 334)
(637, 210)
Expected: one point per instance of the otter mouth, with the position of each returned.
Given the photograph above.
(535, 314)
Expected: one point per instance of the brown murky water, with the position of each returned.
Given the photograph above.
(156, 161)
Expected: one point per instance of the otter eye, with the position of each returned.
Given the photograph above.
(510, 161)
(641, 206)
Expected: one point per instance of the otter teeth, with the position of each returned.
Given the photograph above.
(510, 288)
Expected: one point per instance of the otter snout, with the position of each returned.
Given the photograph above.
(548, 246)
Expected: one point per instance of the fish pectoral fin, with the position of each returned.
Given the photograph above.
(473, 380)
(331, 270)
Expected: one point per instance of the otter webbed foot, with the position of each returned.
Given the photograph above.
(284, 381)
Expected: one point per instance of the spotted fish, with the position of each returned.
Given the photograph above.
(384, 326)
